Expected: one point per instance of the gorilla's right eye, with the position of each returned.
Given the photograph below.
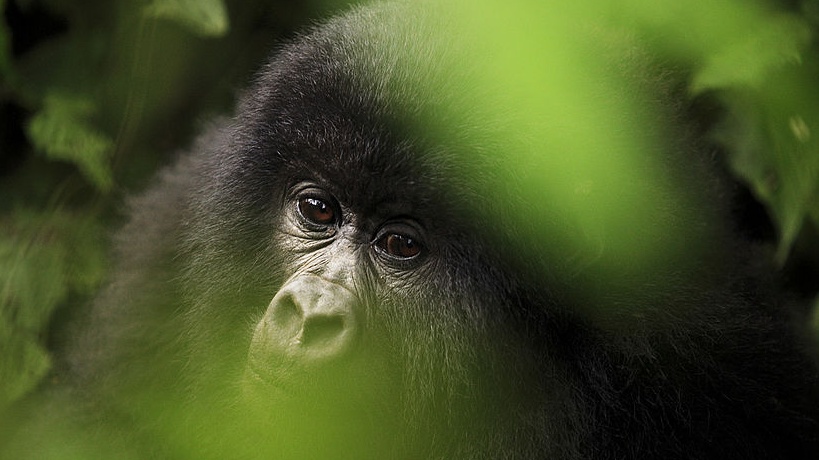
(317, 211)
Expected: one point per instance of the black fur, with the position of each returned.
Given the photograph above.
(477, 349)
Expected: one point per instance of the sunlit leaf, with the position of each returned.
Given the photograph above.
(204, 17)
(749, 59)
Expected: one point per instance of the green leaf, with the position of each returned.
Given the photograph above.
(749, 59)
(33, 280)
(31, 285)
(61, 131)
(43, 257)
(23, 365)
(773, 147)
(204, 17)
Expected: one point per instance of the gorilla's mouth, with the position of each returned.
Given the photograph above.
(264, 384)
(268, 372)
(266, 369)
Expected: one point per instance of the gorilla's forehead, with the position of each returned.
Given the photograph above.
(355, 110)
(365, 147)
(369, 169)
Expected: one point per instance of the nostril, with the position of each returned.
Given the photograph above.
(320, 330)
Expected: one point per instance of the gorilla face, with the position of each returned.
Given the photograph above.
(358, 321)
(340, 269)
(335, 258)
(378, 303)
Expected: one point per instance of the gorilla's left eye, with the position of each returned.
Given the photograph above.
(317, 211)
(399, 246)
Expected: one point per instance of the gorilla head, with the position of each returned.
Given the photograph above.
(376, 300)
(335, 272)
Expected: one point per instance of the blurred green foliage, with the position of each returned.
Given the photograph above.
(96, 94)
(541, 74)
(44, 257)
(760, 60)
(204, 17)
(61, 130)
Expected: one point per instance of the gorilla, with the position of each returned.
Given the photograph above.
(346, 268)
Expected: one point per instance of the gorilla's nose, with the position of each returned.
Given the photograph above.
(309, 319)
(320, 330)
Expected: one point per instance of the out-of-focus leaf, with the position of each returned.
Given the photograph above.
(749, 59)
(204, 17)
(24, 362)
(61, 131)
(795, 161)
(32, 283)
(43, 257)
(33, 277)
(758, 61)
(771, 136)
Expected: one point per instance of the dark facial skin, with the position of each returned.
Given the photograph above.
(315, 316)
(323, 336)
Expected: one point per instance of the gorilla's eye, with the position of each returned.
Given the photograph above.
(317, 211)
(399, 246)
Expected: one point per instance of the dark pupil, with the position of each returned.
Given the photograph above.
(316, 211)
(401, 246)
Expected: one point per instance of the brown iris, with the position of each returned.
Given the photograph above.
(317, 211)
(400, 246)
